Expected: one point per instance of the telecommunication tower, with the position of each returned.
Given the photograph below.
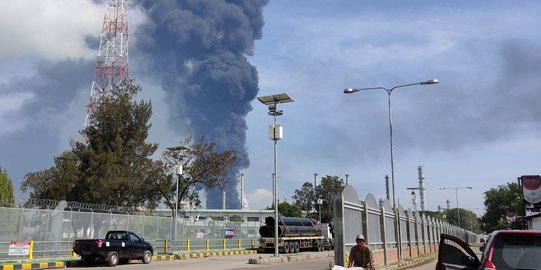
(112, 60)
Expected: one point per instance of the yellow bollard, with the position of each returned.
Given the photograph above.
(239, 244)
(73, 254)
(207, 245)
(165, 246)
(188, 245)
(225, 244)
(253, 243)
(30, 255)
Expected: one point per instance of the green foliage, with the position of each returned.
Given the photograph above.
(499, 201)
(203, 167)
(113, 165)
(286, 209)
(7, 198)
(468, 219)
(329, 188)
(436, 215)
(305, 197)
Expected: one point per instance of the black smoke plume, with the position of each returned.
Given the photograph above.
(199, 50)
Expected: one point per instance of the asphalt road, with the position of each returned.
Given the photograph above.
(219, 263)
(235, 262)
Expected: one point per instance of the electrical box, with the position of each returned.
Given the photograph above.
(275, 132)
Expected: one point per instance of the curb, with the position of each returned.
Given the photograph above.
(291, 258)
(36, 265)
(74, 262)
(411, 262)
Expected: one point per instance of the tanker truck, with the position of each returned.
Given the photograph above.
(296, 234)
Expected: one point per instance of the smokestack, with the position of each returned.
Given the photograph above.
(422, 188)
(223, 199)
(387, 187)
(241, 191)
(199, 51)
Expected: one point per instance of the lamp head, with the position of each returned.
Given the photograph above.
(348, 91)
(433, 81)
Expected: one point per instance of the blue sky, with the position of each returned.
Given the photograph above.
(478, 127)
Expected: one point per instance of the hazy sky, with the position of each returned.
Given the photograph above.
(479, 127)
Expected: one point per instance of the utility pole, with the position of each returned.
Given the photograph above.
(112, 61)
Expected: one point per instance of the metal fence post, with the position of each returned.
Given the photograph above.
(383, 229)
(339, 231)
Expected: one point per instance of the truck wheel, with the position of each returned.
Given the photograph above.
(292, 247)
(147, 257)
(315, 245)
(286, 247)
(297, 247)
(112, 258)
(329, 247)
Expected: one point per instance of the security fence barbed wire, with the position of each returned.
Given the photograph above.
(83, 206)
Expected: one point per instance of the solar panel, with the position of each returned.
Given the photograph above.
(278, 98)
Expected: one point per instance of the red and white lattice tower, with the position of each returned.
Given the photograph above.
(112, 61)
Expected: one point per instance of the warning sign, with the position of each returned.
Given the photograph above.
(19, 249)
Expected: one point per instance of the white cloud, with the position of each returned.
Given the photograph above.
(259, 199)
(53, 29)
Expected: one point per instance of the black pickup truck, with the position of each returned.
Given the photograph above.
(117, 247)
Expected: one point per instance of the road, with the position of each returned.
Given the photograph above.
(221, 263)
(218, 262)
(237, 262)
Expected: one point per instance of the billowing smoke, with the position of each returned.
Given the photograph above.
(198, 48)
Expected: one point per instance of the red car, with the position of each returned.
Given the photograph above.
(504, 250)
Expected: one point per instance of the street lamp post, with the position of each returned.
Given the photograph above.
(178, 172)
(389, 91)
(315, 182)
(275, 134)
(456, 196)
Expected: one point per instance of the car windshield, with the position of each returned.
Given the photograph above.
(517, 252)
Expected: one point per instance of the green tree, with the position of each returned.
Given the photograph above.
(203, 167)
(286, 209)
(498, 202)
(330, 188)
(113, 165)
(7, 199)
(468, 219)
(434, 214)
(305, 198)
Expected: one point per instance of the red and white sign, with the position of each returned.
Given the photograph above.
(19, 249)
(531, 188)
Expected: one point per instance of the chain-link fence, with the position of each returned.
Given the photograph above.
(53, 231)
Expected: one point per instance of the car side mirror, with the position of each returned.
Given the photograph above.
(142, 240)
(482, 248)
